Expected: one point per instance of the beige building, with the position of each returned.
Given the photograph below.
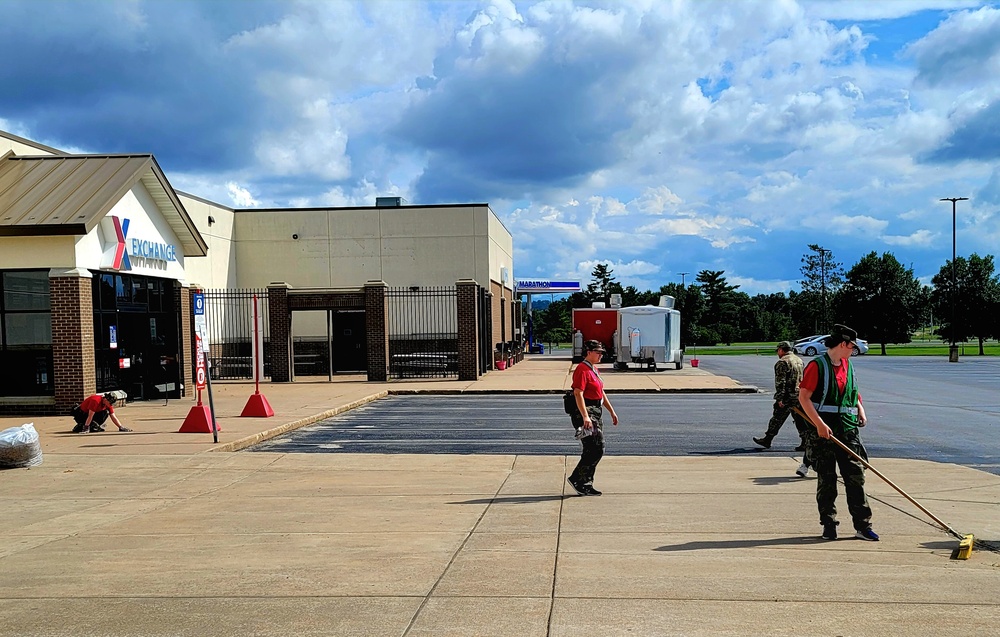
(99, 255)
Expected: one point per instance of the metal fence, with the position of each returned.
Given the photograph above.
(423, 332)
(229, 321)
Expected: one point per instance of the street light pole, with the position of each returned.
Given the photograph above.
(683, 274)
(953, 348)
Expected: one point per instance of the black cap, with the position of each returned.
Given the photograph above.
(840, 334)
(594, 346)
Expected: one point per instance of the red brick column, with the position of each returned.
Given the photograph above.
(280, 322)
(468, 324)
(72, 305)
(376, 330)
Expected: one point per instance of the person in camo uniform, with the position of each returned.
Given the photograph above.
(829, 396)
(787, 375)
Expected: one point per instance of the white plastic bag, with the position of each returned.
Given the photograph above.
(19, 447)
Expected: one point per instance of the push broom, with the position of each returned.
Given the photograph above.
(964, 551)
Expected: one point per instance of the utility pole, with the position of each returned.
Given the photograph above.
(953, 348)
(683, 274)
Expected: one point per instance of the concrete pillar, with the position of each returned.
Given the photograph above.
(376, 330)
(468, 330)
(280, 322)
(72, 304)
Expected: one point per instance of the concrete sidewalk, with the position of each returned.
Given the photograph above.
(140, 534)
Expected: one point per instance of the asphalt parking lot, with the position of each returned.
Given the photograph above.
(903, 423)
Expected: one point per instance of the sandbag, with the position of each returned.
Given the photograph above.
(20, 447)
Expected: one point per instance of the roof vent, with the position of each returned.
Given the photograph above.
(389, 202)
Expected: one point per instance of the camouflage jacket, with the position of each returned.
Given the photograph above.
(787, 375)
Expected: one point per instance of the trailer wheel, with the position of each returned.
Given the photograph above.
(680, 364)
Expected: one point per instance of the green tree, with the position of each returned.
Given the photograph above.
(881, 299)
(603, 284)
(554, 323)
(721, 305)
(767, 318)
(976, 299)
(822, 276)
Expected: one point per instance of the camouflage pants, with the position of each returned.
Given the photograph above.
(779, 415)
(593, 447)
(826, 458)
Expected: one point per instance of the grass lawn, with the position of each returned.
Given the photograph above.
(920, 348)
(875, 349)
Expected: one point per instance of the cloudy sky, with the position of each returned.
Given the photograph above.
(657, 136)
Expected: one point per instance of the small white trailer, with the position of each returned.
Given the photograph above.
(649, 335)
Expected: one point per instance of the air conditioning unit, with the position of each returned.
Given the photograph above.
(616, 300)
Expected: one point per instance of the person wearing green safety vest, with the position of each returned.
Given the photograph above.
(829, 395)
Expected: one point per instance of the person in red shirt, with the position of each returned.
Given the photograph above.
(588, 390)
(91, 414)
(829, 396)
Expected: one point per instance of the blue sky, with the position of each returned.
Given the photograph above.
(657, 137)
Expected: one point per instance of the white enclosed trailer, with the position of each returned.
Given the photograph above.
(649, 335)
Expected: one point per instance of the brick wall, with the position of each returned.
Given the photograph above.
(468, 337)
(73, 372)
(185, 362)
(376, 330)
(279, 317)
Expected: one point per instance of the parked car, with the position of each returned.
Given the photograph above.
(817, 337)
(813, 345)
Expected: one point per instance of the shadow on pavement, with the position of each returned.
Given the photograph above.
(517, 499)
(726, 452)
(743, 544)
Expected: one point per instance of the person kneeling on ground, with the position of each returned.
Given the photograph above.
(91, 414)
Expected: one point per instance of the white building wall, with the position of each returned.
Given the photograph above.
(218, 269)
(345, 247)
(20, 148)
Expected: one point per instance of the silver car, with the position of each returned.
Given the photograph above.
(813, 345)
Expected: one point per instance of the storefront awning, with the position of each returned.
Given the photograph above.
(69, 195)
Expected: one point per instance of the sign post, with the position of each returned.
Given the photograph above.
(201, 418)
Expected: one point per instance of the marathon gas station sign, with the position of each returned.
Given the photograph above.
(546, 286)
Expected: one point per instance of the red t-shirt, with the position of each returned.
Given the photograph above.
(587, 379)
(810, 376)
(96, 403)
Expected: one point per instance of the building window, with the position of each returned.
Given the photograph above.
(25, 334)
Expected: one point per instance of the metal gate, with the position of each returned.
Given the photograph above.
(229, 321)
(423, 332)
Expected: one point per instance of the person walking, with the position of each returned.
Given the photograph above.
(787, 375)
(91, 414)
(829, 396)
(588, 392)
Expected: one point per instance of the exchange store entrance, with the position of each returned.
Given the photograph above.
(136, 336)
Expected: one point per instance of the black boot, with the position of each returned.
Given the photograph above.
(764, 441)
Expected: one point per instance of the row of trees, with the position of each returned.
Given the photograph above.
(878, 296)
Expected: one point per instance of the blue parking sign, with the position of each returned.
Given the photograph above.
(199, 303)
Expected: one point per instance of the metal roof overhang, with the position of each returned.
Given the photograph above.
(70, 194)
